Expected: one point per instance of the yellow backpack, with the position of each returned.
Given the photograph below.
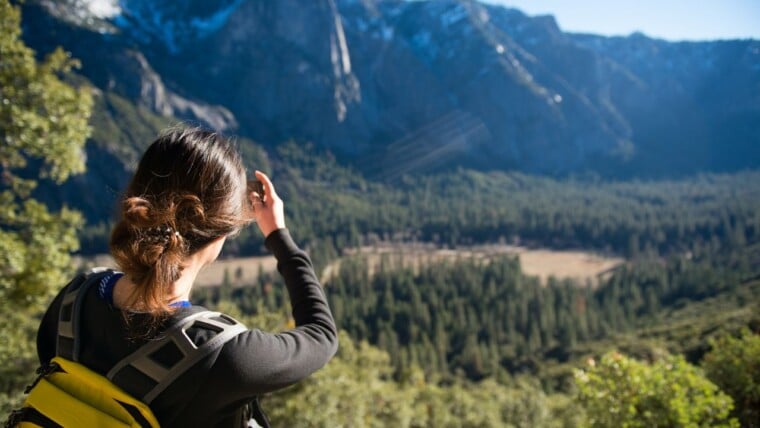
(68, 394)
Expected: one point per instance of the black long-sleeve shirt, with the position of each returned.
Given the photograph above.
(252, 363)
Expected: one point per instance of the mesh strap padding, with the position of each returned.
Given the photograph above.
(144, 361)
(148, 361)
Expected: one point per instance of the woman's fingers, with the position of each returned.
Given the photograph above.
(268, 186)
(269, 212)
(256, 200)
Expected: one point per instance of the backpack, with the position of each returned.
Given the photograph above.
(68, 394)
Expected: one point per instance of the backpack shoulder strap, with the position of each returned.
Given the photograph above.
(155, 375)
(158, 374)
(67, 341)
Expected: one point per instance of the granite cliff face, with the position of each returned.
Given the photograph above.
(395, 87)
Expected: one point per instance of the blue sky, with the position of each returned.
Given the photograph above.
(667, 19)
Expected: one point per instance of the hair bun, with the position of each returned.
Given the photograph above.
(138, 212)
(189, 208)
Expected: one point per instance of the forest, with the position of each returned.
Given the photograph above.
(691, 276)
(669, 338)
(484, 317)
(331, 207)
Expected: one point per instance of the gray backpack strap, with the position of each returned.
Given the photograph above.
(224, 327)
(67, 341)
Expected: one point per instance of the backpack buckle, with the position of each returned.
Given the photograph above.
(42, 371)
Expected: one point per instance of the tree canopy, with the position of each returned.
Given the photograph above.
(734, 365)
(619, 391)
(43, 128)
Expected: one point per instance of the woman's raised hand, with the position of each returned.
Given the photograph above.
(268, 209)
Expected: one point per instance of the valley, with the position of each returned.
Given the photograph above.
(581, 266)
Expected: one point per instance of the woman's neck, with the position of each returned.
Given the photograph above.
(182, 287)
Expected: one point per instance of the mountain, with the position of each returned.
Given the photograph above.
(395, 87)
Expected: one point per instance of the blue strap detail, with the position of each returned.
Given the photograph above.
(105, 288)
(181, 304)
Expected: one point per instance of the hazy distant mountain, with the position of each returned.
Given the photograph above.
(395, 86)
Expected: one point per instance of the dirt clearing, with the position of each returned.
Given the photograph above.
(543, 263)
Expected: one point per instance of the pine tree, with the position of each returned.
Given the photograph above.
(43, 121)
(43, 128)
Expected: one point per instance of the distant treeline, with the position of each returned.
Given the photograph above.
(330, 207)
(485, 317)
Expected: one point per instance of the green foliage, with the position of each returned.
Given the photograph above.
(702, 214)
(356, 390)
(122, 128)
(41, 117)
(734, 365)
(18, 357)
(358, 387)
(688, 326)
(622, 392)
(483, 316)
(34, 251)
(331, 207)
(43, 126)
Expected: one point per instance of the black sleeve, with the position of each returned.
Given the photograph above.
(257, 362)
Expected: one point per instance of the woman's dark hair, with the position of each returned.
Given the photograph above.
(189, 189)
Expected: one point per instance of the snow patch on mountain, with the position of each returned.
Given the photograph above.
(95, 15)
(104, 9)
